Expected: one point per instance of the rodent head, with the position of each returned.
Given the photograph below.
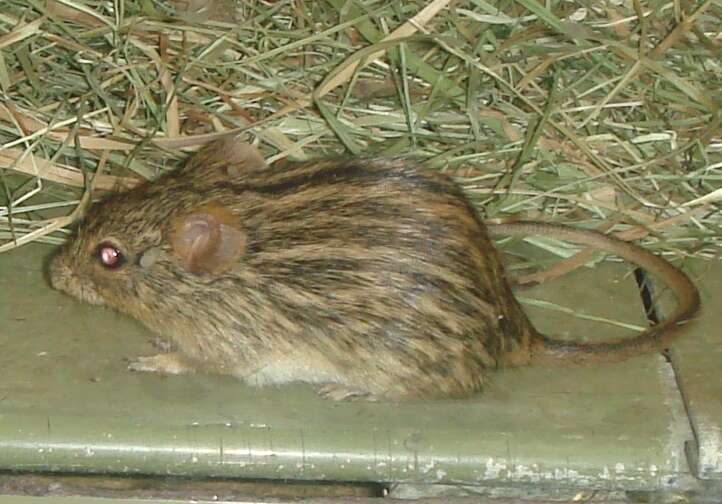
(112, 251)
(136, 249)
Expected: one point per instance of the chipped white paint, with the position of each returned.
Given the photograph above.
(709, 448)
(500, 470)
(428, 467)
(494, 469)
(680, 430)
(529, 473)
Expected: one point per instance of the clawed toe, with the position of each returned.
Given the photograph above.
(143, 364)
(167, 363)
(340, 392)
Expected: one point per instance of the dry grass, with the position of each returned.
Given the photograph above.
(600, 114)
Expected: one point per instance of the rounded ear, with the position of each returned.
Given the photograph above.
(207, 240)
(229, 155)
(242, 157)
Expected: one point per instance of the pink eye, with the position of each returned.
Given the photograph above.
(109, 255)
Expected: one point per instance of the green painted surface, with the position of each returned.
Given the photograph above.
(698, 362)
(67, 403)
(20, 499)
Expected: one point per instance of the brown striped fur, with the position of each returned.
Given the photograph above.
(371, 274)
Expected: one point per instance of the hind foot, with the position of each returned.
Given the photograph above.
(165, 363)
(340, 392)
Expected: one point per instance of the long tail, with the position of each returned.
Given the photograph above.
(653, 339)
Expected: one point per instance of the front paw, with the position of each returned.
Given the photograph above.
(166, 363)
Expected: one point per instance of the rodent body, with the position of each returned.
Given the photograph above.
(371, 276)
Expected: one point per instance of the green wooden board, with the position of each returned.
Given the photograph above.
(698, 362)
(19, 499)
(68, 404)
